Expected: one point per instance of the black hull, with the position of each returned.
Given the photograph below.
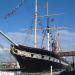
(30, 64)
(36, 65)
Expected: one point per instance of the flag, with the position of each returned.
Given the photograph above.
(14, 10)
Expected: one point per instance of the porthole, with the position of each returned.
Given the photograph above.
(42, 56)
(32, 55)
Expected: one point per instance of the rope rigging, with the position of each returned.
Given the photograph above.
(14, 10)
(43, 31)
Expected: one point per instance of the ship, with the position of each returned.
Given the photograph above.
(33, 59)
(37, 60)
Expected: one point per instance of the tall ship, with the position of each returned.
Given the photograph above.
(33, 59)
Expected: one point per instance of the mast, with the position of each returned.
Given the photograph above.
(48, 27)
(35, 25)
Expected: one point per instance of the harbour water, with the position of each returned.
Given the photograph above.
(20, 73)
(25, 73)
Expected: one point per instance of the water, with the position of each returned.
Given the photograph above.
(21, 73)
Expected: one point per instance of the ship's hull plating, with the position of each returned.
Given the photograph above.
(36, 65)
(31, 64)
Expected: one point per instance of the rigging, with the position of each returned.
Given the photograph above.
(14, 10)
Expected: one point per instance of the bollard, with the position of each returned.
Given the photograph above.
(51, 70)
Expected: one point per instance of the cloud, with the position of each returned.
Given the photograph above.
(24, 38)
(5, 56)
(67, 40)
(21, 38)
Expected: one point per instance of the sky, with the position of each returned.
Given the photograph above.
(14, 24)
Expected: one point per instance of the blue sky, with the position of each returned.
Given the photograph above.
(23, 18)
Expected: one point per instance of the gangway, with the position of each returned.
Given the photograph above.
(67, 53)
